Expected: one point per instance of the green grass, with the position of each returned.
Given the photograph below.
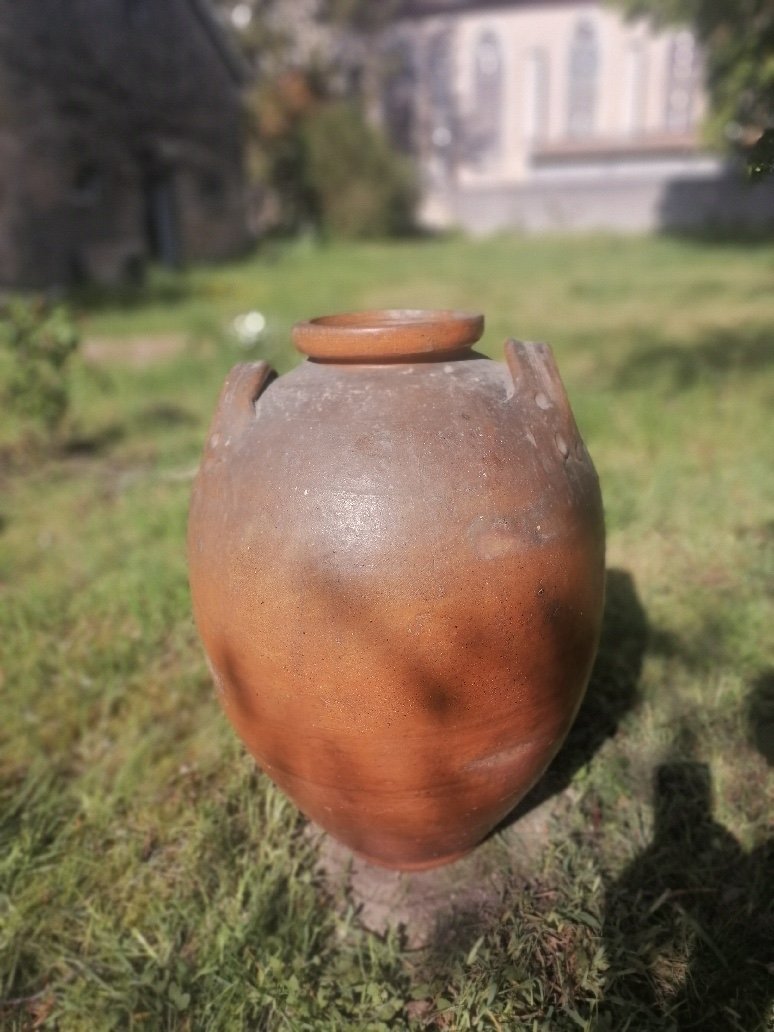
(151, 878)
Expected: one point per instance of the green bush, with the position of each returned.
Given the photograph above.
(316, 163)
(360, 186)
(37, 340)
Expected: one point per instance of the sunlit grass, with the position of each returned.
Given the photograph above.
(150, 878)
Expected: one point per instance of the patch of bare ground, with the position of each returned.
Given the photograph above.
(458, 900)
(137, 352)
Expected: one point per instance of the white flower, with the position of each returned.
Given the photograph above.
(248, 328)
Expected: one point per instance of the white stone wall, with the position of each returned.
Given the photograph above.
(638, 164)
(631, 83)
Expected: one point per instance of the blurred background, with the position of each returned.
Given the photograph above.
(182, 180)
(186, 130)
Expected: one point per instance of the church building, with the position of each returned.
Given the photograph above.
(557, 115)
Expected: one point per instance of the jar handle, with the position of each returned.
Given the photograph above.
(536, 381)
(236, 405)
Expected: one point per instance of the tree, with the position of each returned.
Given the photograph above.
(364, 15)
(315, 160)
(738, 39)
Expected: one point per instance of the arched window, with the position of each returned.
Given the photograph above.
(442, 120)
(487, 97)
(583, 74)
(681, 82)
(398, 96)
(633, 95)
(536, 86)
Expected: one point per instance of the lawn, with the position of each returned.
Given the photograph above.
(152, 878)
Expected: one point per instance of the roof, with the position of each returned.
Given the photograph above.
(220, 40)
(425, 8)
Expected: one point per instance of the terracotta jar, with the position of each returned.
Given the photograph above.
(397, 563)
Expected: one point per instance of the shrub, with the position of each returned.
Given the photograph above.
(37, 340)
(362, 188)
(278, 109)
(321, 165)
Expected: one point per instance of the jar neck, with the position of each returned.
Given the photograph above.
(389, 335)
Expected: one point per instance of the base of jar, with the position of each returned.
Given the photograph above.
(419, 865)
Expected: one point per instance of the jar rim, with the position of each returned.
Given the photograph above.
(388, 334)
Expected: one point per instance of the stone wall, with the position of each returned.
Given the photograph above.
(637, 204)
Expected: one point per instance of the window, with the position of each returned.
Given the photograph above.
(398, 95)
(487, 98)
(87, 185)
(440, 97)
(212, 190)
(633, 96)
(536, 88)
(682, 75)
(583, 74)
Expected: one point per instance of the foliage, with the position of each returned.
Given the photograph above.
(738, 37)
(328, 168)
(361, 188)
(37, 341)
(361, 14)
(314, 159)
(279, 109)
(270, 32)
(150, 878)
(760, 158)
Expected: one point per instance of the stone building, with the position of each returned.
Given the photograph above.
(120, 139)
(557, 114)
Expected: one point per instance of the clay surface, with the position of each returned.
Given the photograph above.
(397, 571)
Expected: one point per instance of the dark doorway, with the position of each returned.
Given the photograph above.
(162, 230)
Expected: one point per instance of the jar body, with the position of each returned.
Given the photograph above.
(397, 572)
